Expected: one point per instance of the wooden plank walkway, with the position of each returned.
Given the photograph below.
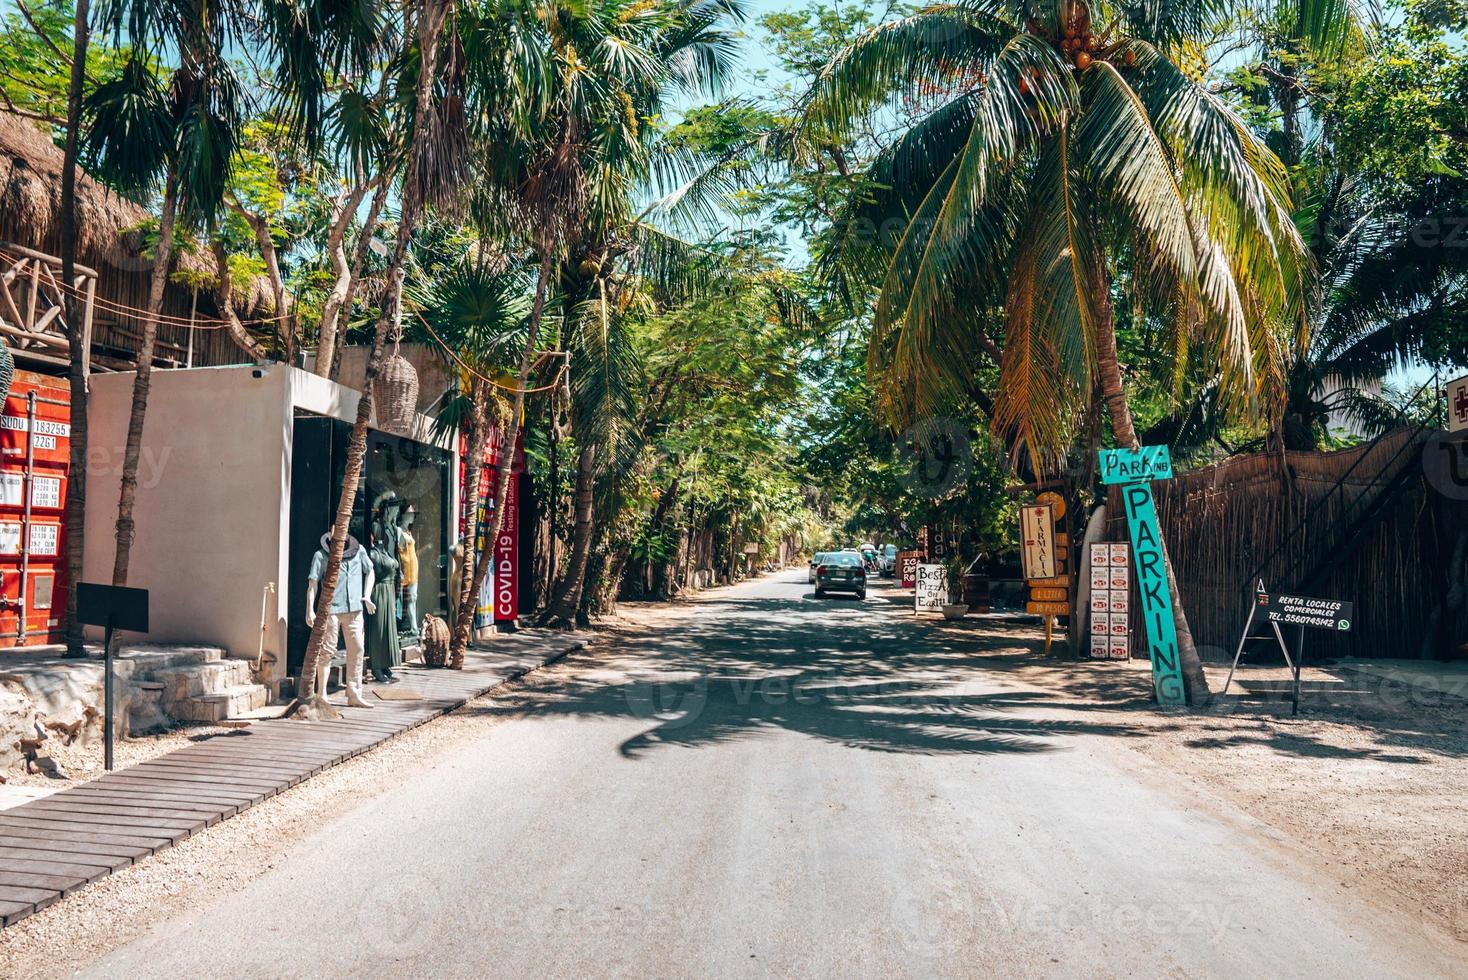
(54, 845)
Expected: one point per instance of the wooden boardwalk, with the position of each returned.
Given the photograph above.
(52, 846)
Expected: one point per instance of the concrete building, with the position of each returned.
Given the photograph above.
(239, 477)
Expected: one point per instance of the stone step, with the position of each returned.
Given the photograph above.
(149, 657)
(232, 702)
(197, 680)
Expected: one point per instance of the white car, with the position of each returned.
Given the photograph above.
(815, 560)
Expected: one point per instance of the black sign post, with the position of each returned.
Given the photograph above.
(113, 608)
(1291, 610)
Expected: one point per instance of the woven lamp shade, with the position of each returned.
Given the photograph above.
(7, 372)
(395, 394)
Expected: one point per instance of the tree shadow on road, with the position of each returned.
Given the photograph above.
(738, 669)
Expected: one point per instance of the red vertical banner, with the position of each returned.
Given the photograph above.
(499, 599)
(507, 557)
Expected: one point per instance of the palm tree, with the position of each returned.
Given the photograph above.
(565, 99)
(430, 168)
(149, 126)
(1066, 141)
(478, 310)
(76, 485)
(1389, 296)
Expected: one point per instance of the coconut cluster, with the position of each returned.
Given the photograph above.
(1080, 46)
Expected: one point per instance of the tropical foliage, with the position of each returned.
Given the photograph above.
(926, 253)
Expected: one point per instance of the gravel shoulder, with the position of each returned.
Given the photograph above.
(1367, 786)
(59, 940)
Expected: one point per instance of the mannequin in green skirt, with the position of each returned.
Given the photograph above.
(383, 653)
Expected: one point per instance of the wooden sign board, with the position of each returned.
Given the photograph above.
(1062, 579)
(1048, 608)
(1037, 541)
(1049, 594)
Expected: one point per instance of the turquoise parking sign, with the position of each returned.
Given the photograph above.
(1134, 469)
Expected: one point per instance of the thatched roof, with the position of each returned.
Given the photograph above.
(30, 203)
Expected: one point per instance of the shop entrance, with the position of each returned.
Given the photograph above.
(405, 483)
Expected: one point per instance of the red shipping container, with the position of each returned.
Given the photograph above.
(35, 454)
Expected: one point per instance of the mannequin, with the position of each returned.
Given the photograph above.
(383, 652)
(353, 595)
(408, 575)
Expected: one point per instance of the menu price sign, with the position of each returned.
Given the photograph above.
(1110, 601)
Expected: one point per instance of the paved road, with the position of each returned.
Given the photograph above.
(783, 786)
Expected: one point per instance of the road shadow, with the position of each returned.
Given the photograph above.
(841, 671)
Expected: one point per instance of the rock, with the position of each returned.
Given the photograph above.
(17, 720)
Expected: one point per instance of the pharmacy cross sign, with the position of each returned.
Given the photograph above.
(1134, 469)
(1458, 404)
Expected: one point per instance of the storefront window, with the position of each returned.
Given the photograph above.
(402, 506)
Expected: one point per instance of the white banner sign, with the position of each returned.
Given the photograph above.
(932, 588)
(1458, 404)
(1037, 541)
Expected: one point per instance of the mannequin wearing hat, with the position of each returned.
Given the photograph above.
(353, 595)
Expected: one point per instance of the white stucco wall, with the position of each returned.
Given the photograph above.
(212, 507)
(213, 501)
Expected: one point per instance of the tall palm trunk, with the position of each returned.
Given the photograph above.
(431, 17)
(359, 259)
(1122, 426)
(76, 333)
(345, 271)
(459, 641)
(475, 435)
(143, 382)
(568, 596)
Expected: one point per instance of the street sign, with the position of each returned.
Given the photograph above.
(1136, 465)
(1135, 469)
(1037, 541)
(112, 607)
(1458, 404)
(1301, 612)
(1048, 608)
(1298, 610)
(931, 588)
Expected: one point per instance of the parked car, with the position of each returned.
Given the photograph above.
(887, 561)
(815, 560)
(841, 571)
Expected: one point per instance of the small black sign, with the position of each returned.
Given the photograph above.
(1299, 610)
(112, 606)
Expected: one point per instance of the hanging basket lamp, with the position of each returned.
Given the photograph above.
(7, 372)
(395, 393)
